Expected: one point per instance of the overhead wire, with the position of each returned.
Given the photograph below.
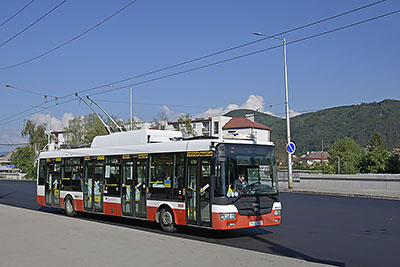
(233, 58)
(33, 23)
(69, 41)
(215, 53)
(19, 11)
(248, 54)
(230, 49)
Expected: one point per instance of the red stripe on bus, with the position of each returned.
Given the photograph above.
(112, 209)
(151, 213)
(40, 200)
(244, 221)
(78, 205)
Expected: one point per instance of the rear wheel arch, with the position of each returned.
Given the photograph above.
(165, 216)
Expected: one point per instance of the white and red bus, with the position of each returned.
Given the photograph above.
(156, 175)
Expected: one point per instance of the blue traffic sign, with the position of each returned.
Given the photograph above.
(291, 148)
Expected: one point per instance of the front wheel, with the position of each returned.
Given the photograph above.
(69, 207)
(167, 221)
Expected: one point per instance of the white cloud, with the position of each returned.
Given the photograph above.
(55, 124)
(253, 102)
(171, 115)
(293, 113)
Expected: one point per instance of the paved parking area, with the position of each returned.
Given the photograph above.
(34, 238)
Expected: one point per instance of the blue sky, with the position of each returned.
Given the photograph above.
(352, 66)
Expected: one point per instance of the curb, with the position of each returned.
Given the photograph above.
(340, 194)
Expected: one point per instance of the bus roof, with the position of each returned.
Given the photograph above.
(142, 142)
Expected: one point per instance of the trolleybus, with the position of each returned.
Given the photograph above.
(159, 176)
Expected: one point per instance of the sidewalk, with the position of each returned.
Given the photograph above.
(34, 238)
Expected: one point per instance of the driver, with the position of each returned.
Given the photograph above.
(241, 181)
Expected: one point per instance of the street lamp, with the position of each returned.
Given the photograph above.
(290, 175)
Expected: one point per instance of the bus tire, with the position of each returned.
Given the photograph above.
(167, 222)
(69, 207)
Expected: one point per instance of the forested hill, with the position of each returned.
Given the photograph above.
(357, 121)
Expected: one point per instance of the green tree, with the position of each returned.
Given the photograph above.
(92, 127)
(75, 131)
(375, 141)
(185, 125)
(36, 134)
(376, 159)
(393, 163)
(24, 159)
(350, 154)
(82, 130)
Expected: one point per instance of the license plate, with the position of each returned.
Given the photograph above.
(255, 223)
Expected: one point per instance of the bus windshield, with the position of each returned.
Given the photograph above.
(245, 170)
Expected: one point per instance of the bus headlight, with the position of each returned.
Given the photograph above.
(277, 212)
(227, 216)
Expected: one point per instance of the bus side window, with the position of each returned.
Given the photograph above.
(42, 172)
(161, 171)
(112, 176)
(179, 176)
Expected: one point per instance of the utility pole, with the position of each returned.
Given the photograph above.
(322, 151)
(290, 172)
(338, 165)
(131, 113)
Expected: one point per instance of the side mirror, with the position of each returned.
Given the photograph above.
(221, 153)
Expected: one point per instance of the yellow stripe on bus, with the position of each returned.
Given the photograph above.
(200, 154)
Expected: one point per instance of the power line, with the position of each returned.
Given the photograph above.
(19, 11)
(169, 105)
(30, 91)
(20, 144)
(215, 53)
(219, 62)
(69, 41)
(248, 54)
(232, 48)
(227, 60)
(33, 23)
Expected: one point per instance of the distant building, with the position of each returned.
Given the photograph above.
(246, 128)
(230, 128)
(313, 157)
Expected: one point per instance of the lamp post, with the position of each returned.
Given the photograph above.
(131, 104)
(290, 175)
(131, 108)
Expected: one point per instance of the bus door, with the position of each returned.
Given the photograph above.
(98, 184)
(52, 188)
(140, 186)
(198, 207)
(49, 184)
(88, 184)
(127, 189)
(93, 185)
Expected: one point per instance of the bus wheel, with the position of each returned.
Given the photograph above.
(167, 221)
(69, 207)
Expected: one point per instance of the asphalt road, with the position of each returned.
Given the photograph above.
(340, 231)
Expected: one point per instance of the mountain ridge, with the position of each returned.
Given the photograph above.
(314, 130)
